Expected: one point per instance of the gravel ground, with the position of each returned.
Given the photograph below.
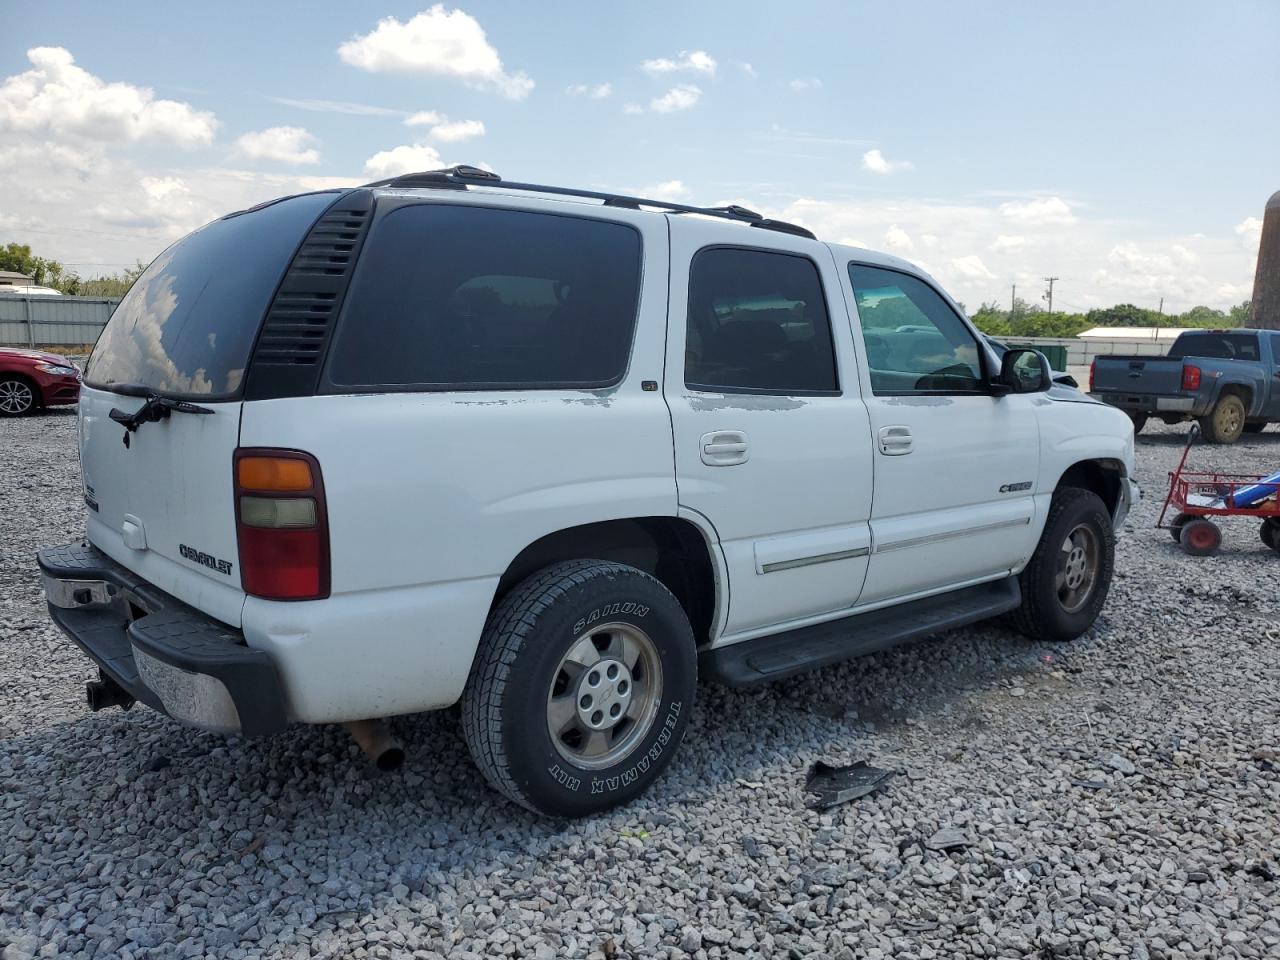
(1121, 794)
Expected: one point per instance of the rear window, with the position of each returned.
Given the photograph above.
(188, 325)
(1219, 346)
(460, 297)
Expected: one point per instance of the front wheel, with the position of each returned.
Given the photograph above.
(1225, 422)
(1066, 581)
(581, 690)
(17, 397)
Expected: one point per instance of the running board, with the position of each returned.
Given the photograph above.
(795, 651)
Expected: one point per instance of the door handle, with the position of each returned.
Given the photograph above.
(724, 448)
(895, 441)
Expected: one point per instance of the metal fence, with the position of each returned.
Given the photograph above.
(52, 321)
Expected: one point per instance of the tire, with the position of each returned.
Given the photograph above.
(1053, 612)
(1254, 427)
(1176, 525)
(1200, 537)
(1225, 422)
(1139, 421)
(1269, 531)
(523, 668)
(17, 397)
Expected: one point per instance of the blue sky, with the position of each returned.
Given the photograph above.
(1119, 146)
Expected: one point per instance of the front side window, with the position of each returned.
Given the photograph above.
(466, 297)
(915, 342)
(757, 324)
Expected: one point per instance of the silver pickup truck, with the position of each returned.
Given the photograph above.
(1228, 380)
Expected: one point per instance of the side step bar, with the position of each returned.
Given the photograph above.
(795, 651)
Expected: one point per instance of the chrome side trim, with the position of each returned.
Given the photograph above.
(810, 561)
(951, 535)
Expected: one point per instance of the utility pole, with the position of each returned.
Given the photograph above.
(1161, 310)
(1013, 301)
(1049, 294)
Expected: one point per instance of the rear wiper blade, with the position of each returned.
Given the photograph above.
(155, 409)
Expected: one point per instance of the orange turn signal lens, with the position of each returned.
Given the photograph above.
(274, 474)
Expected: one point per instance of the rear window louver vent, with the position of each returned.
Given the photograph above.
(299, 321)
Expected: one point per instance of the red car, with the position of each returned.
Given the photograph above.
(30, 379)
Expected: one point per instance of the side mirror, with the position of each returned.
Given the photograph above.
(1024, 371)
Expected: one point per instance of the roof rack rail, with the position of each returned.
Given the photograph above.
(461, 176)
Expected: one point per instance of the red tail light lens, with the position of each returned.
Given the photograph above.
(1093, 369)
(281, 524)
(1190, 377)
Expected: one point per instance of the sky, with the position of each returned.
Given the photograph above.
(1126, 148)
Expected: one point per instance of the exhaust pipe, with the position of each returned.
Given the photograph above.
(105, 692)
(374, 737)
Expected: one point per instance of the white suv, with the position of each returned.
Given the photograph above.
(553, 453)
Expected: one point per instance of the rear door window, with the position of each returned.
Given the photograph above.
(757, 323)
(187, 326)
(466, 297)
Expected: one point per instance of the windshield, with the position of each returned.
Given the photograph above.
(187, 326)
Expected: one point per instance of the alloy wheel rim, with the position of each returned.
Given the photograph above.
(15, 397)
(604, 695)
(1230, 419)
(1077, 568)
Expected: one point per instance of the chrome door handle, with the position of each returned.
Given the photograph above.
(724, 448)
(895, 441)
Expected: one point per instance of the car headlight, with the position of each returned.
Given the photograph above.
(57, 369)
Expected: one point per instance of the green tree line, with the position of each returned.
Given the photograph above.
(50, 273)
(1028, 320)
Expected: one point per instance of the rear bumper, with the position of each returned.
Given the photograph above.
(162, 652)
(1154, 404)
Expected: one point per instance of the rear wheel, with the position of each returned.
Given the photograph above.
(1269, 531)
(1065, 584)
(1139, 421)
(17, 397)
(1225, 422)
(1178, 522)
(581, 689)
(1200, 537)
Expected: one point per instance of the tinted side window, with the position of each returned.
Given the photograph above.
(463, 297)
(187, 326)
(1218, 346)
(915, 342)
(757, 323)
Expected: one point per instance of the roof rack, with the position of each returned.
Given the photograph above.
(461, 177)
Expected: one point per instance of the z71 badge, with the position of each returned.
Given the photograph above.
(205, 559)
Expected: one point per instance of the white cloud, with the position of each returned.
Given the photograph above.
(436, 42)
(1249, 230)
(457, 130)
(895, 238)
(748, 69)
(673, 190)
(58, 98)
(971, 267)
(336, 106)
(424, 118)
(592, 91)
(1007, 242)
(677, 98)
(801, 84)
(278, 145)
(407, 158)
(159, 202)
(875, 161)
(1050, 210)
(687, 61)
(633, 108)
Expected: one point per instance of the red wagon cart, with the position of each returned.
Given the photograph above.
(1194, 497)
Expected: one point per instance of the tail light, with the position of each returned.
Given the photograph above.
(1190, 377)
(1093, 371)
(281, 524)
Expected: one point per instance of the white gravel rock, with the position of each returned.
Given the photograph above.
(1123, 804)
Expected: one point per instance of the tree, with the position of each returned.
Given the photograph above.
(1126, 315)
(1202, 317)
(116, 285)
(1240, 314)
